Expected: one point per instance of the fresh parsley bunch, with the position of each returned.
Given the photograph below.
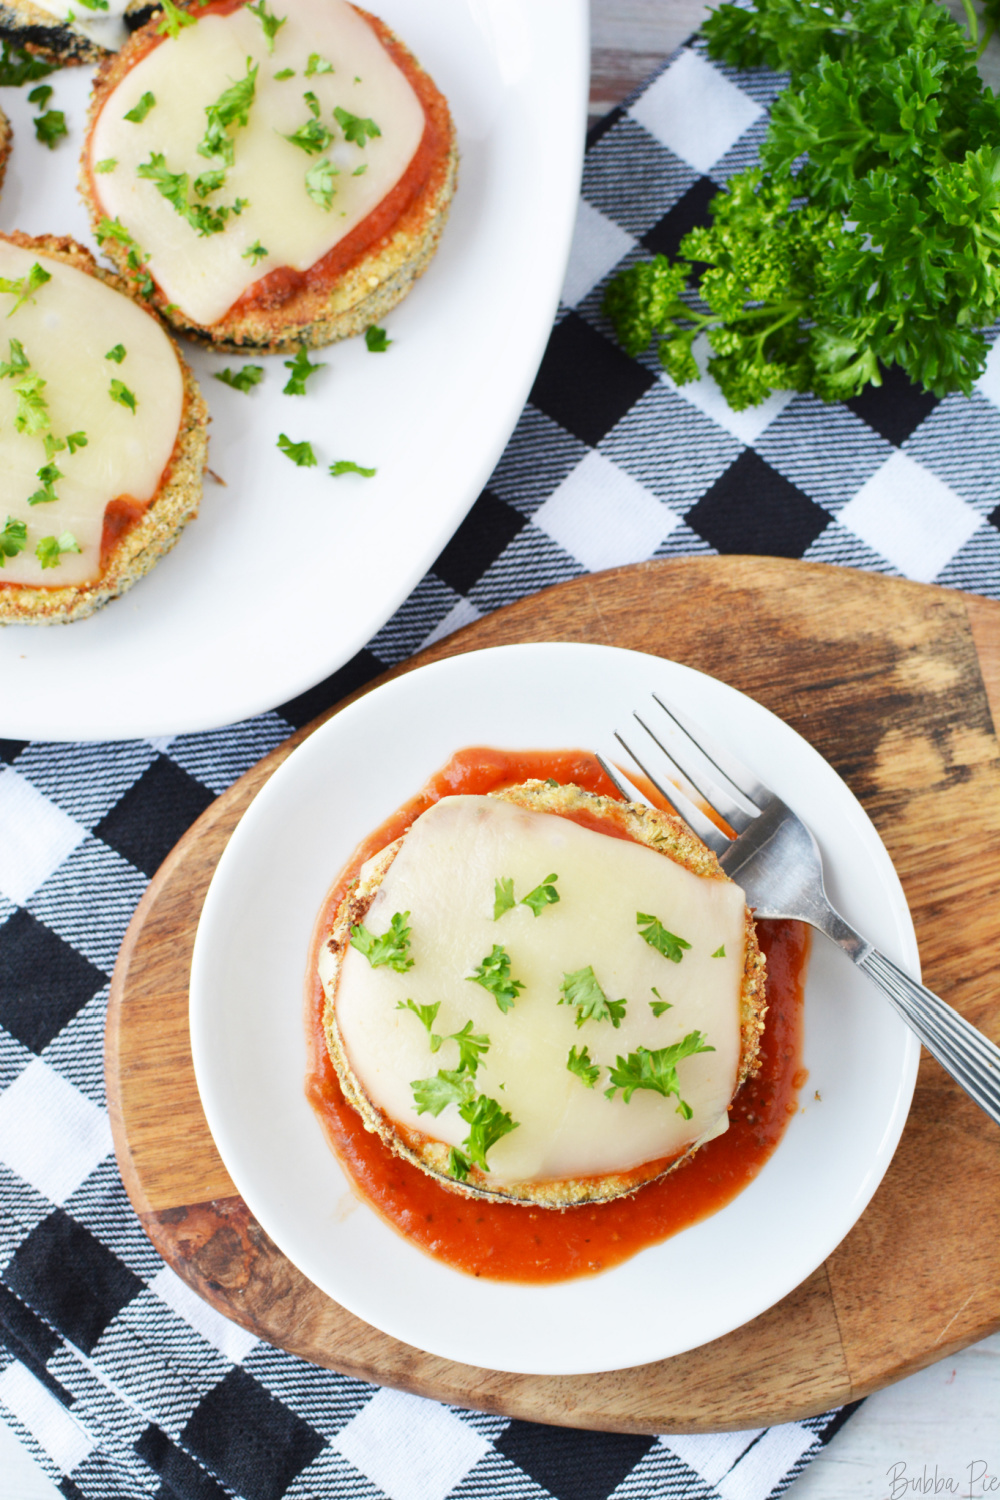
(870, 234)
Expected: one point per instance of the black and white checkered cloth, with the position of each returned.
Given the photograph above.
(118, 1379)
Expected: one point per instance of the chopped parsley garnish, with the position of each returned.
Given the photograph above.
(542, 896)
(319, 183)
(232, 108)
(107, 165)
(488, 1124)
(425, 1014)
(503, 897)
(312, 137)
(580, 1064)
(139, 111)
(241, 380)
(18, 362)
(301, 454)
(174, 187)
(48, 474)
(471, 1047)
(32, 415)
(283, 74)
(392, 948)
(117, 353)
(592, 1004)
(659, 1005)
(656, 1071)
(173, 19)
(18, 67)
(494, 975)
(119, 391)
(376, 340)
(94, 4)
(720, 952)
(317, 64)
(76, 440)
(360, 171)
(432, 1095)
(53, 445)
(209, 182)
(652, 931)
(301, 368)
(24, 287)
(41, 95)
(355, 129)
(312, 103)
(13, 539)
(459, 1164)
(346, 466)
(255, 253)
(114, 229)
(50, 548)
(271, 24)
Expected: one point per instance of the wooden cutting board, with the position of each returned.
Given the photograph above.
(894, 683)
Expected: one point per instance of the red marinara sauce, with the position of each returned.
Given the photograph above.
(512, 1242)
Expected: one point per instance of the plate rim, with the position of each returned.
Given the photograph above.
(908, 1059)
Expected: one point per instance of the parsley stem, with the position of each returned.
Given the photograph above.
(973, 20)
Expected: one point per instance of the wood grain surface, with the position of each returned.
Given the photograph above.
(894, 683)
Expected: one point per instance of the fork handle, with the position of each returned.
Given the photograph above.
(971, 1058)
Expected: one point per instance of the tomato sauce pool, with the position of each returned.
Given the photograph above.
(513, 1242)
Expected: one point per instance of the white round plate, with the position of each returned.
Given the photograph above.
(287, 573)
(249, 1051)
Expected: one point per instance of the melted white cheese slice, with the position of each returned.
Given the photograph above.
(66, 331)
(444, 876)
(204, 275)
(106, 26)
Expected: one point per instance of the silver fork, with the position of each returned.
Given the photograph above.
(776, 860)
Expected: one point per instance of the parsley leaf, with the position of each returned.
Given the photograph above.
(50, 548)
(580, 1064)
(32, 414)
(18, 66)
(345, 466)
(652, 931)
(24, 287)
(494, 975)
(542, 896)
(317, 64)
(354, 127)
(18, 362)
(173, 19)
(659, 1005)
(48, 474)
(120, 392)
(488, 1124)
(425, 1014)
(312, 137)
(391, 948)
(114, 229)
(241, 380)
(301, 368)
(592, 1004)
(312, 103)
(230, 110)
(13, 539)
(720, 952)
(459, 1164)
(53, 445)
(376, 340)
(432, 1095)
(301, 454)
(107, 165)
(471, 1047)
(255, 253)
(319, 183)
(209, 182)
(656, 1071)
(271, 24)
(503, 897)
(117, 353)
(76, 440)
(283, 74)
(139, 111)
(41, 95)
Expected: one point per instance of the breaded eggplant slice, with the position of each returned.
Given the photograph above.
(656, 830)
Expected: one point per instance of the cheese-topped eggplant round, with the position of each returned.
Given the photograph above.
(282, 177)
(102, 435)
(538, 1011)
